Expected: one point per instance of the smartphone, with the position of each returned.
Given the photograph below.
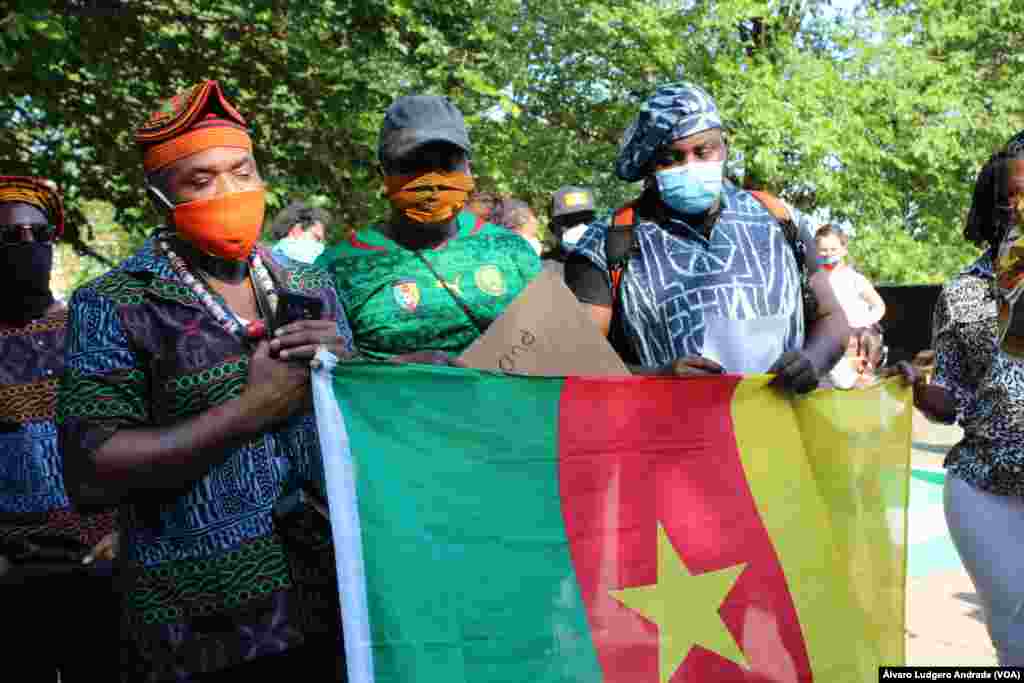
(292, 307)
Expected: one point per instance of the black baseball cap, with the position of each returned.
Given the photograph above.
(571, 199)
(415, 120)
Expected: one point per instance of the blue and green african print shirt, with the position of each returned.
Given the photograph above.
(213, 582)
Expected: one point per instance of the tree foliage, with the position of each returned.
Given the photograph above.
(877, 119)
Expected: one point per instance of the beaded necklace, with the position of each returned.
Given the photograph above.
(260, 278)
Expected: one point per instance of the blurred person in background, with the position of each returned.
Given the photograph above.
(300, 231)
(507, 212)
(863, 364)
(838, 286)
(572, 211)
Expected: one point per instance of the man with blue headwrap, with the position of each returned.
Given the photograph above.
(701, 277)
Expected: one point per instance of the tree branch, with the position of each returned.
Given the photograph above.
(85, 250)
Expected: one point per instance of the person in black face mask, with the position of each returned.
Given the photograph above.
(56, 578)
(26, 248)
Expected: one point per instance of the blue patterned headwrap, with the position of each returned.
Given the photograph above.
(1016, 144)
(675, 111)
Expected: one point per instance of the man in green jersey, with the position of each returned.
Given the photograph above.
(432, 277)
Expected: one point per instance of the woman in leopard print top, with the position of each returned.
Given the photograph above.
(982, 388)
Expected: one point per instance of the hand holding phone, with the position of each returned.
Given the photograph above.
(292, 306)
(300, 330)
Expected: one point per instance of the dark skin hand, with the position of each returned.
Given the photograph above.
(795, 371)
(935, 402)
(932, 400)
(429, 358)
(146, 461)
(691, 366)
(301, 339)
(800, 371)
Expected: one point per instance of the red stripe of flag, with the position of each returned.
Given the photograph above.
(667, 454)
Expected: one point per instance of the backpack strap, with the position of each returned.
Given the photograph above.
(776, 207)
(618, 245)
(780, 212)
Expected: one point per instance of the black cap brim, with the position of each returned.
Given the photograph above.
(400, 144)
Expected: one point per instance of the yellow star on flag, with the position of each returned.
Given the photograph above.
(684, 607)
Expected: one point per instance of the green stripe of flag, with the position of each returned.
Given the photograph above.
(456, 592)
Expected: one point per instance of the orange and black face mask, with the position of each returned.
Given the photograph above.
(433, 197)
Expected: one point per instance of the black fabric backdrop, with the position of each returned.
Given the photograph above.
(908, 319)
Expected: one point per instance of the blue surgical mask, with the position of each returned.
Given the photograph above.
(693, 188)
(572, 235)
(298, 249)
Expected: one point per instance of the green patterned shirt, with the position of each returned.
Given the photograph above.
(211, 578)
(395, 304)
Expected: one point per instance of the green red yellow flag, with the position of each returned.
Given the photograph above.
(634, 530)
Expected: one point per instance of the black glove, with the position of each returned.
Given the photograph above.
(795, 372)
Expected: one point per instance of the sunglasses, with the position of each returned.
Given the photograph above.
(14, 233)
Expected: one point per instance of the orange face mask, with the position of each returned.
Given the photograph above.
(226, 226)
(433, 197)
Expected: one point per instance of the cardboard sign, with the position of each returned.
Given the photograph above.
(546, 332)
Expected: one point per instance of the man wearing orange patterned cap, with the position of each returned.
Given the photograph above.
(56, 582)
(187, 400)
(431, 278)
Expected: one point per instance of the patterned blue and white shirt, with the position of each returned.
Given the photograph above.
(683, 287)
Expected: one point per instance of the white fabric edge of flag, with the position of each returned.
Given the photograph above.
(346, 530)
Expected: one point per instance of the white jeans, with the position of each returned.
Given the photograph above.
(988, 531)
